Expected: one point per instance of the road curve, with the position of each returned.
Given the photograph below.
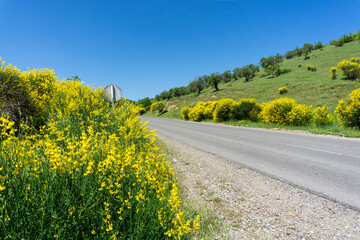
(328, 166)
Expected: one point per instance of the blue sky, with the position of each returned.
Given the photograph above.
(146, 46)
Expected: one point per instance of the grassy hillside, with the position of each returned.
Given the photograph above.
(314, 88)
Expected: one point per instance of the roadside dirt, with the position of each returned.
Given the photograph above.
(255, 206)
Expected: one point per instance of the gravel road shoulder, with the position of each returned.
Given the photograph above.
(256, 206)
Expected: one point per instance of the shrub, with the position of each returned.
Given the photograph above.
(105, 180)
(283, 90)
(318, 45)
(348, 111)
(246, 109)
(137, 110)
(285, 111)
(197, 112)
(308, 67)
(333, 72)
(300, 115)
(209, 108)
(345, 39)
(313, 69)
(157, 107)
(223, 110)
(185, 113)
(322, 116)
(351, 69)
(26, 94)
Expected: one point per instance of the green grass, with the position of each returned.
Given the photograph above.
(314, 88)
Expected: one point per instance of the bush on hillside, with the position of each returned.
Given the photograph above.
(246, 109)
(285, 111)
(197, 112)
(345, 39)
(223, 110)
(351, 69)
(348, 111)
(209, 109)
(157, 107)
(26, 94)
(333, 72)
(322, 116)
(92, 172)
(185, 113)
(283, 90)
(137, 110)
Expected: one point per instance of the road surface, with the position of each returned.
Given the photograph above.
(327, 166)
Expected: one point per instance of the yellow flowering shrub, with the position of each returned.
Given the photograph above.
(26, 94)
(223, 110)
(308, 67)
(209, 109)
(137, 110)
(283, 90)
(286, 111)
(348, 111)
(185, 113)
(201, 111)
(351, 69)
(92, 172)
(333, 72)
(322, 116)
(196, 113)
(158, 107)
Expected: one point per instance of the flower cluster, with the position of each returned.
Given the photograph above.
(322, 116)
(351, 68)
(348, 111)
(90, 172)
(283, 90)
(333, 72)
(286, 111)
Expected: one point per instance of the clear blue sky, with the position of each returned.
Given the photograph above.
(146, 46)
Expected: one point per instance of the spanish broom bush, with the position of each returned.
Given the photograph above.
(90, 172)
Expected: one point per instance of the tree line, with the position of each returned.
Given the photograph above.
(271, 66)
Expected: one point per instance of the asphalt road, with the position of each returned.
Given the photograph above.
(327, 166)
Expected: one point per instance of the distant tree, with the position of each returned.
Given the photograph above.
(226, 76)
(237, 73)
(290, 54)
(205, 79)
(306, 49)
(157, 98)
(183, 91)
(165, 95)
(145, 102)
(197, 86)
(176, 92)
(214, 80)
(271, 64)
(318, 45)
(249, 71)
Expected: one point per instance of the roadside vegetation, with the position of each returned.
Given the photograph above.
(314, 78)
(73, 167)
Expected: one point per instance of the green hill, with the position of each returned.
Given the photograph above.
(314, 88)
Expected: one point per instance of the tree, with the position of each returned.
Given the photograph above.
(214, 80)
(249, 71)
(145, 102)
(306, 49)
(237, 73)
(226, 76)
(197, 85)
(272, 64)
